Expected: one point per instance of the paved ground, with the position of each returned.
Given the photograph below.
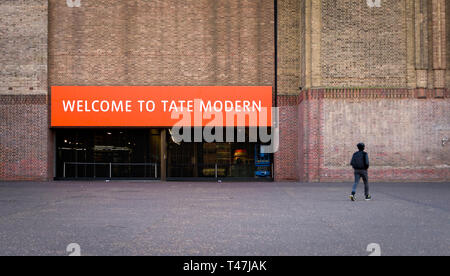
(129, 218)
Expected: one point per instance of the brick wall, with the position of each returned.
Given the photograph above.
(287, 158)
(24, 133)
(291, 46)
(291, 72)
(345, 44)
(403, 134)
(311, 118)
(447, 20)
(339, 43)
(23, 47)
(362, 46)
(162, 42)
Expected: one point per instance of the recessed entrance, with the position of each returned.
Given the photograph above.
(226, 161)
(108, 153)
(136, 154)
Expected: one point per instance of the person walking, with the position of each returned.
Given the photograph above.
(360, 164)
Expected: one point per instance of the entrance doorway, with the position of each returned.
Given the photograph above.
(87, 154)
(211, 161)
(108, 154)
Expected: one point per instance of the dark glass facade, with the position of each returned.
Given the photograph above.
(107, 153)
(221, 160)
(136, 153)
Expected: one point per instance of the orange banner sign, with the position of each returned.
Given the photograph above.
(140, 106)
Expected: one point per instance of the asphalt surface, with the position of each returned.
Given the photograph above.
(154, 218)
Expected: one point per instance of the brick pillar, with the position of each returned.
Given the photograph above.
(286, 159)
(24, 130)
(421, 46)
(313, 140)
(439, 47)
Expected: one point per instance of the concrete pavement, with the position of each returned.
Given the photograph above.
(154, 218)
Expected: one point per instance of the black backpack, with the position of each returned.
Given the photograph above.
(359, 161)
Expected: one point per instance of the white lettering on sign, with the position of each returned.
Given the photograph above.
(238, 106)
(101, 106)
(229, 106)
(149, 106)
(68, 105)
(374, 3)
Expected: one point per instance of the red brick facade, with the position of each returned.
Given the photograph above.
(304, 124)
(286, 161)
(24, 136)
(341, 45)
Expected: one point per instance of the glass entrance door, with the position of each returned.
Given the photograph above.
(103, 153)
(217, 160)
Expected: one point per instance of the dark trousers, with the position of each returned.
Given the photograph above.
(364, 175)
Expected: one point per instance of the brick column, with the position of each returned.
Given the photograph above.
(25, 142)
(439, 46)
(313, 29)
(286, 160)
(421, 46)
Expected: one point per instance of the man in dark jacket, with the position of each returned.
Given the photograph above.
(360, 163)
